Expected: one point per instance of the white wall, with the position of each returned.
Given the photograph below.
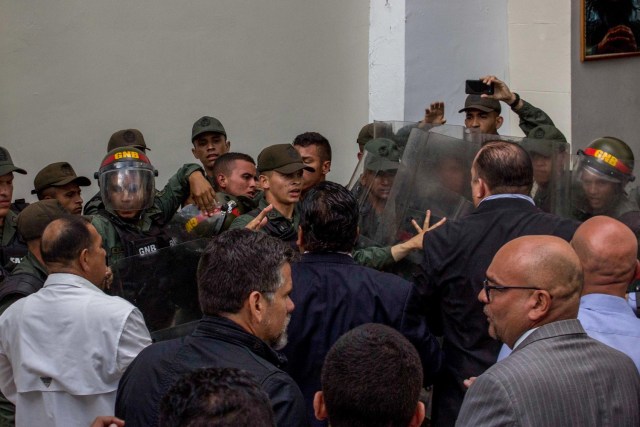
(448, 42)
(75, 71)
(540, 58)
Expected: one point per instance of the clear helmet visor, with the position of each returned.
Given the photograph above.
(127, 190)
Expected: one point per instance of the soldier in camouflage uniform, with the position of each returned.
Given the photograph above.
(122, 138)
(12, 246)
(133, 220)
(209, 139)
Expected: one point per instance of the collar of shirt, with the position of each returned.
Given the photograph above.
(604, 302)
(508, 196)
(522, 338)
(69, 280)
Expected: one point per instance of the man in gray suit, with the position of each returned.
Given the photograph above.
(556, 375)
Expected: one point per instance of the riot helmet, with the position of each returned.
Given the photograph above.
(126, 180)
(609, 158)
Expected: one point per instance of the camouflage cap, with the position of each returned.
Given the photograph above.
(6, 164)
(127, 138)
(476, 102)
(381, 154)
(283, 158)
(545, 140)
(34, 218)
(56, 175)
(207, 124)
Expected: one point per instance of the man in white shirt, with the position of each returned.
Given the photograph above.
(64, 348)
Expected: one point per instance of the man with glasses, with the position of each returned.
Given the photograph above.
(456, 257)
(557, 375)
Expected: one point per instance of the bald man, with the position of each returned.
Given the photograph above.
(607, 249)
(557, 375)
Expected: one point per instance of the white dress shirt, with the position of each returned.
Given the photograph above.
(64, 349)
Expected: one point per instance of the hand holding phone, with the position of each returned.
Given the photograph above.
(477, 87)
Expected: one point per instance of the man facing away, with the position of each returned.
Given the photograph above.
(371, 377)
(607, 250)
(334, 294)
(557, 375)
(456, 257)
(64, 348)
(244, 283)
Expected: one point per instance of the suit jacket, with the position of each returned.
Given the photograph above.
(557, 376)
(456, 257)
(332, 295)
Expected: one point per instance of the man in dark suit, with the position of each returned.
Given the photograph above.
(557, 375)
(333, 294)
(457, 255)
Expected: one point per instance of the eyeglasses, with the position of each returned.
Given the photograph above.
(486, 285)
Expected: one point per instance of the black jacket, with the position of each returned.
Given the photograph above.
(457, 256)
(332, 295)
(216, 343)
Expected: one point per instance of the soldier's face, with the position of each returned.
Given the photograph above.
(311, 157)
(208, 147)
(487, 123)
(379, 184)
(598, 192)
(126, 193)
(542, 166)
(68, 196)
(6, 193)
(282, 188)
(241, 181)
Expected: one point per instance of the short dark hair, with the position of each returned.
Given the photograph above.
(65, 246)
(224, 165)
(236, 263)
(372, 376)
(505, 167)
(329, 218)
(314, 138)
(221, 397)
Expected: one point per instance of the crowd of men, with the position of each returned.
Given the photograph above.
(282, 298)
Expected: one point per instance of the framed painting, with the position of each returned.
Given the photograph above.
(610, 29)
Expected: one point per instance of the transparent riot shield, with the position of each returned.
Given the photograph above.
(596, 193)
(190, 223)
(161, 283)
(551, 162)
(435, 175)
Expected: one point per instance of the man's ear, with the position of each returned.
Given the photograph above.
(320, 409)
(257, 307)
(221, 179)
(326, 167)
(228, 144)
(482, 189)
(264, 182)
(539, 305)
(300, 240)
(418, 416)
(499, 121)
(83, 259)
(193, 151)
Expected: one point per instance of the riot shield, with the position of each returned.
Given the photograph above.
(161, 283)
(190, 223)
(435, 176)
(551, 174)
